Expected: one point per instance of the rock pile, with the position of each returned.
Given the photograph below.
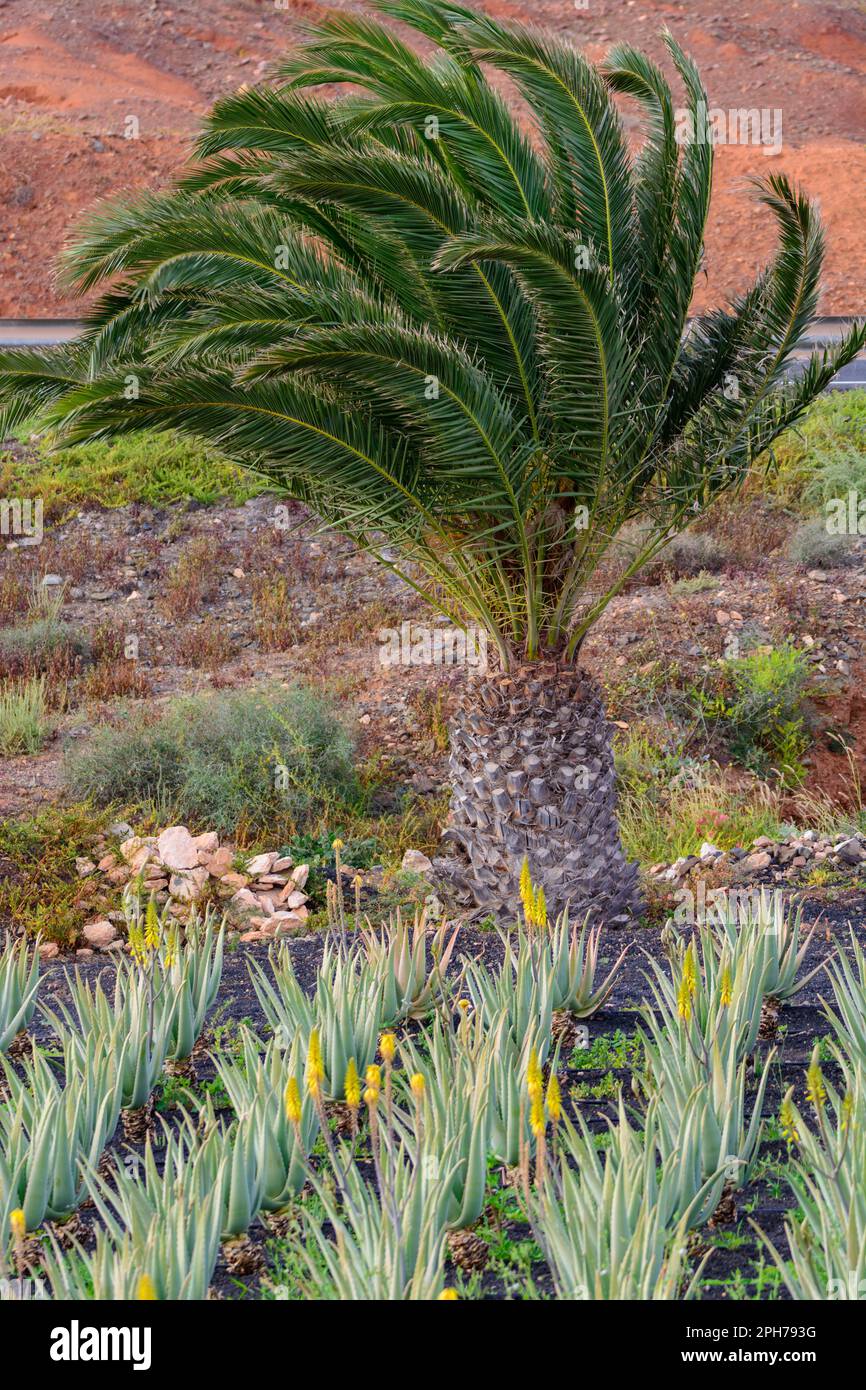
(263, 894)
(772, 861)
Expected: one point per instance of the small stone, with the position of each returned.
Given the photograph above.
(300, 874)
(177, 849)
(850, 852)
(99, 934)
(709, 851)
(107, 862)
(416, 862)
(282, 865)
(120, 874)
(84, 867)
(49, 950)
(247, 936)
(51, 581)
(208, 842)
(120, 829)
(84, 953)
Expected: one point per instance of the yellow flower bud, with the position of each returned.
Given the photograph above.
(18, 1223)
(387, 1047)
(684, 1000)
(146, 1289)
(338, 844)
(374, 1076)
(371, 1096)
(417, 1084)
(448, 1295)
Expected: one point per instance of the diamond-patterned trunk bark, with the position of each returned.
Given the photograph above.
(532, 774)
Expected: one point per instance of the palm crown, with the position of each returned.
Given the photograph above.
(460, 343)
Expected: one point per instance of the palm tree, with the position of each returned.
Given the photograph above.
(459, 338)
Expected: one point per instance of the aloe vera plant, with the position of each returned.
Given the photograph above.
(521, 990)
(712, 1092)
(171, 1257)
(769, 935)
(615, 1227)
(50, 1133)
(347, 1009)
(711, 993)
(19, 982)
(452, 1117)
(575, 961)
(400, 960)
(827, 1234)
(385, 1246)
(256, 1086)
(849, 994)
(138, 1036)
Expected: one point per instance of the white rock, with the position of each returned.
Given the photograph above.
(281, 865)
(709, 851)
(296, 899)
(300, 874)
(177, 849)
(209, 842)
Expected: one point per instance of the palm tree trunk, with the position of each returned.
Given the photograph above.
(532, 775)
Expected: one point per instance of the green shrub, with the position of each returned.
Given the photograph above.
(24, 723)
(156, 469)
(814, 547)
(267, 761)
(759, 708)
(669, 803)
(825, 455)
(691, 553)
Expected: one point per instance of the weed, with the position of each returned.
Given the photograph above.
(24, 725)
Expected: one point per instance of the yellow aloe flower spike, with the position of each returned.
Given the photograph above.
(816, 1092)
(315, 1073)
(690, 973)
(727, 992)
(151, 926)
(374, 1076)
(684, 999)
(292, 1101)
(146, 1290)
(417, 1084)
(537, 1121)
(448, 1296)
(352, 1085)
(387, 1047)
(534, 1079)
(788, 1120)
(554, 1098)
(526, 893)
(371, 1097)
(18, 1223)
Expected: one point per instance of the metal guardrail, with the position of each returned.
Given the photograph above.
(823, 332)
